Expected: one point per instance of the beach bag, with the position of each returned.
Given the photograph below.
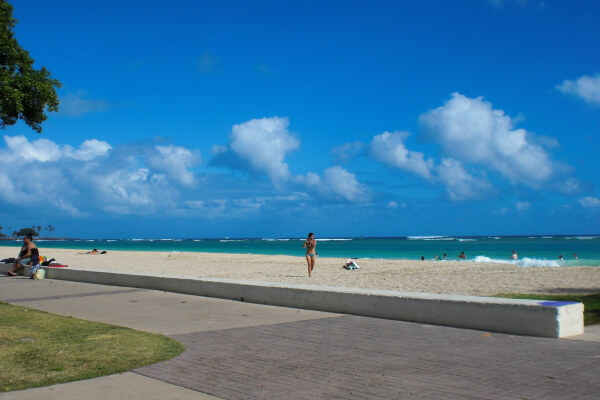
(40, 274)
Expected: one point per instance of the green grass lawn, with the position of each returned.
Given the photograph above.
(591, 303)
(39, 349)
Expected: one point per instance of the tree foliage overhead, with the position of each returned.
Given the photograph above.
(25, 92)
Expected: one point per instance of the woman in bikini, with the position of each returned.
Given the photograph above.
(311, 252)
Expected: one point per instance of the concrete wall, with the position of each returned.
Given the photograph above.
(526, 317)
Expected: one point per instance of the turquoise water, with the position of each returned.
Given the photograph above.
(532, 250)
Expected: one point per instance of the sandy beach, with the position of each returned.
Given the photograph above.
(453, 277)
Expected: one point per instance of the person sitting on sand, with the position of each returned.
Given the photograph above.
(462, 255)
(24, 255)
(514, 256)
(311, 252)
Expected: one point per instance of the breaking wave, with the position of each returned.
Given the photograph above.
(524, 262)
(430, 238)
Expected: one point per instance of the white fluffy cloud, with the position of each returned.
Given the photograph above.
(460, 185)
(471, 131)
(522, 205)
(337, 184)
(586, 87)
(174, 161)
(389, 149)
(88, 150)
(343, 184)
(264, 143)
(20, 149)
(94, 176)
(589, 201)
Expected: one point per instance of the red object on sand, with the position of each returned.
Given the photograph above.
(58, 265)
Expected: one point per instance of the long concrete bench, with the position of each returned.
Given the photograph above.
(524, 317)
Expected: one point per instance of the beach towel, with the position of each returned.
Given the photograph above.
(57, 265)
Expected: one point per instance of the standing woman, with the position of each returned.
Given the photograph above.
(311, 252)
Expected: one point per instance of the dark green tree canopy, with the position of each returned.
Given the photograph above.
(25, 93)
(25, 231)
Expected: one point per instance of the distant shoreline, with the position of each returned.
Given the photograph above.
(583, 250)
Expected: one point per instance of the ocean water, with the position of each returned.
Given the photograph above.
(532, 250)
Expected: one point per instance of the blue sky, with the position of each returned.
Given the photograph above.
(346, 118)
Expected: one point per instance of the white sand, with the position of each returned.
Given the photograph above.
(456, 277)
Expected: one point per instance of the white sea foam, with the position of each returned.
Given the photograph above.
(583, 237)
(430, 238)
(275, 240)
(231, 240)
(467, 240)
(111, 240)
(331, 240)
(197, 240)
(524, 262)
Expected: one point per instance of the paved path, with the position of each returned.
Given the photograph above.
(245, 351)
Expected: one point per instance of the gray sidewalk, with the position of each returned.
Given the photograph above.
(238, 350)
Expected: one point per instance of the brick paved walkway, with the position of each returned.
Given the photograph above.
(351, 357)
